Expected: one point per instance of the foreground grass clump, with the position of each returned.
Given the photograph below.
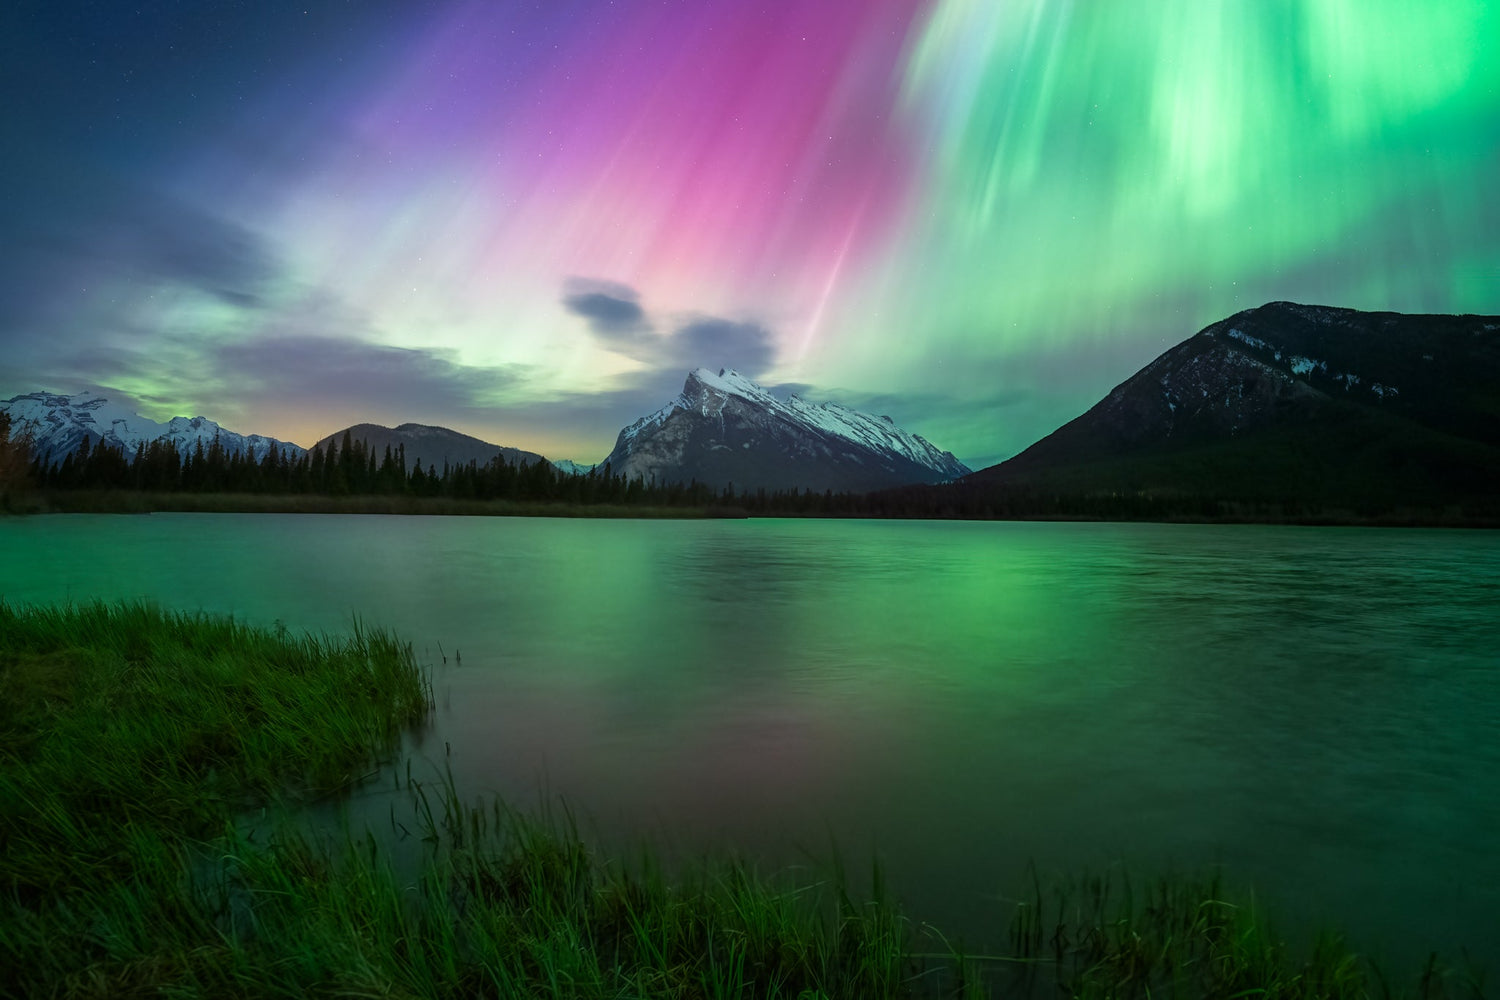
(479, 901)
(130, 739)
(116, 721)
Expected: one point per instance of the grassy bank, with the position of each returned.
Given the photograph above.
(131, 739)
(116, 722)
(140, 502)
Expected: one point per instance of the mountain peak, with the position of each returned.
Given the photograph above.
(724, 427)
(727, 382)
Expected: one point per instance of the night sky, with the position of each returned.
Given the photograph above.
(528, 220)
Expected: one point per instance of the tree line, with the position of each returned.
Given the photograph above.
(349, 467)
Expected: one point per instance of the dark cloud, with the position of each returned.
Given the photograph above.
(786, 390)
(617, 319)
(78, 239)
(169, 241)
(723, 343)
(613, 310)
(605, 313)
(337, 372)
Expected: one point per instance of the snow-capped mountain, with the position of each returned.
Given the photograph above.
(58, 424)
(568, 467)
(724, 428)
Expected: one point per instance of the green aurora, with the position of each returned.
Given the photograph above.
(975, 216)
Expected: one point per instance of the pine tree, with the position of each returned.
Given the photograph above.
(15, 466)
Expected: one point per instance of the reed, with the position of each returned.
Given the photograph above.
(117, 720)
(132, 740)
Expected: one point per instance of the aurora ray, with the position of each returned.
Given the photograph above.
(978, 215)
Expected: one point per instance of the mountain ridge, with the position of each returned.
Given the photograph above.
(1294, 402)
(58, 424)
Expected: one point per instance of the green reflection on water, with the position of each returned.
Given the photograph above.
(1317, 708)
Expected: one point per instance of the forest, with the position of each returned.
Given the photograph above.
(348, 469)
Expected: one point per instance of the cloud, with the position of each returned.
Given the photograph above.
(294, 378)
(339, 372)
(174, 243)
(715, 342)
(612, 309)
(620, 324)
(80, 239)
(605, 313)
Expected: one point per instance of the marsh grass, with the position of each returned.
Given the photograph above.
(1114, 935)
(132, 739)
(117, 721)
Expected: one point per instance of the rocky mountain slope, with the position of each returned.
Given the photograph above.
(432, 446)
(1308, 404)
(725, 429)
(58, 424)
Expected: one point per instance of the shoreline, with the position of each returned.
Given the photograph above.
(132, 502)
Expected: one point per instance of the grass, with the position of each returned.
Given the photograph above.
(131, 739)
(116, 721)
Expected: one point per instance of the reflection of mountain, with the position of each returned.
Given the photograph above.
(726, 429)
(1303, 404)
(59, 424)
(432, 446)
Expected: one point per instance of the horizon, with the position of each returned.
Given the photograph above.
(528, 223)
(776, 390)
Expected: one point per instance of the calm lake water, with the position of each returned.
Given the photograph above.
(1317, 709)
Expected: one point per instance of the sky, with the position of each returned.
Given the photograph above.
(529, 220)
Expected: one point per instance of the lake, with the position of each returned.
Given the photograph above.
(1317, 709)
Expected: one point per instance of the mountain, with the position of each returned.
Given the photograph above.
(58, 425)
(726, 429)
(568, 467)
(1286, 403)
(432, 446)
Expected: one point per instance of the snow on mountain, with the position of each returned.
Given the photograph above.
(725, 428)
(568, 467)
(58, 424)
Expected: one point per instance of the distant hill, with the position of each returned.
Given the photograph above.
(725, 429)
(1305, 406)
(58, 424)
(432, 446)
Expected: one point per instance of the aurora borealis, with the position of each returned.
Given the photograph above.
(526, 221)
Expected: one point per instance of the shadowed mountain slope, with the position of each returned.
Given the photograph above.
(432, 446)
(1306, 405)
